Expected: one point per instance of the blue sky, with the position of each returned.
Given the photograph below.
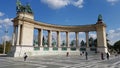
(66, 12)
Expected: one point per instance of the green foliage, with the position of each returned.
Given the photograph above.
(1, 48)
(117, 46)
(8, 47)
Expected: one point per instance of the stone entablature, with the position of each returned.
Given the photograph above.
(41, 25)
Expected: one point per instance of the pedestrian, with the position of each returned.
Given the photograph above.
(67, 54)
(86, 55)
(102, 57)
(107, 55)
(25, 56)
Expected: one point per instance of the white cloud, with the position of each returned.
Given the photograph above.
(7, 38)
(57, 4)
(114, 35)
(93, 36)
(6, 22)
(0, 26)
(78, 3)
(112, 1)
(1, 14)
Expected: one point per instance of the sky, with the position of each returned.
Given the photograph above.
(65, 12)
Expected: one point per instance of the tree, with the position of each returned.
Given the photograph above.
(8, 47)
(110, 47)
(1, 48)
(117, 46)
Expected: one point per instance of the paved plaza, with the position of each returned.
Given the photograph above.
(60, 62)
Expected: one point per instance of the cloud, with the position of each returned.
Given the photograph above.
(112, 1)
(7, 38)
(0, 26)
(78, 3)
(93, 35)
(114, 35)
(57, 4)
(1, 14)
(6, 22)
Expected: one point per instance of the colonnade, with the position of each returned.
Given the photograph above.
(18, 33)
(24, 26)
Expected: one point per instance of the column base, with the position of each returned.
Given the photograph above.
(87, 49)
(18, 51)
(102, 49)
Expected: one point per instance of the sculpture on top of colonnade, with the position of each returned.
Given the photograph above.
(22, 8)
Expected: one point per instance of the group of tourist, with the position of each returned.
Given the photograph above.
(107, 56)
(102, 55)
(86, 55)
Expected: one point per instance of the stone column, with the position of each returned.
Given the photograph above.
(87, 39)
(49, 38)
(58, 39)
(18, 35)
(101, 38)
(14, 36)
(40, 37)
(77, 39)
(67, 39)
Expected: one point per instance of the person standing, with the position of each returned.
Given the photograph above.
(102, 57)
(25, 56)
(67, 54)
(86, 55)
(107, 55)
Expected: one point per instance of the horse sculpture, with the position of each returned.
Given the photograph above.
(22, 8)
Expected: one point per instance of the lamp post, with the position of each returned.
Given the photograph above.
(6, 31)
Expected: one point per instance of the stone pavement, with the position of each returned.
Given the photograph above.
(60, 62)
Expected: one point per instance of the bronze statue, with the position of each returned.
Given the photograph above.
(22, 8)
(100, 17)
(18, 8)
(29, 10)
